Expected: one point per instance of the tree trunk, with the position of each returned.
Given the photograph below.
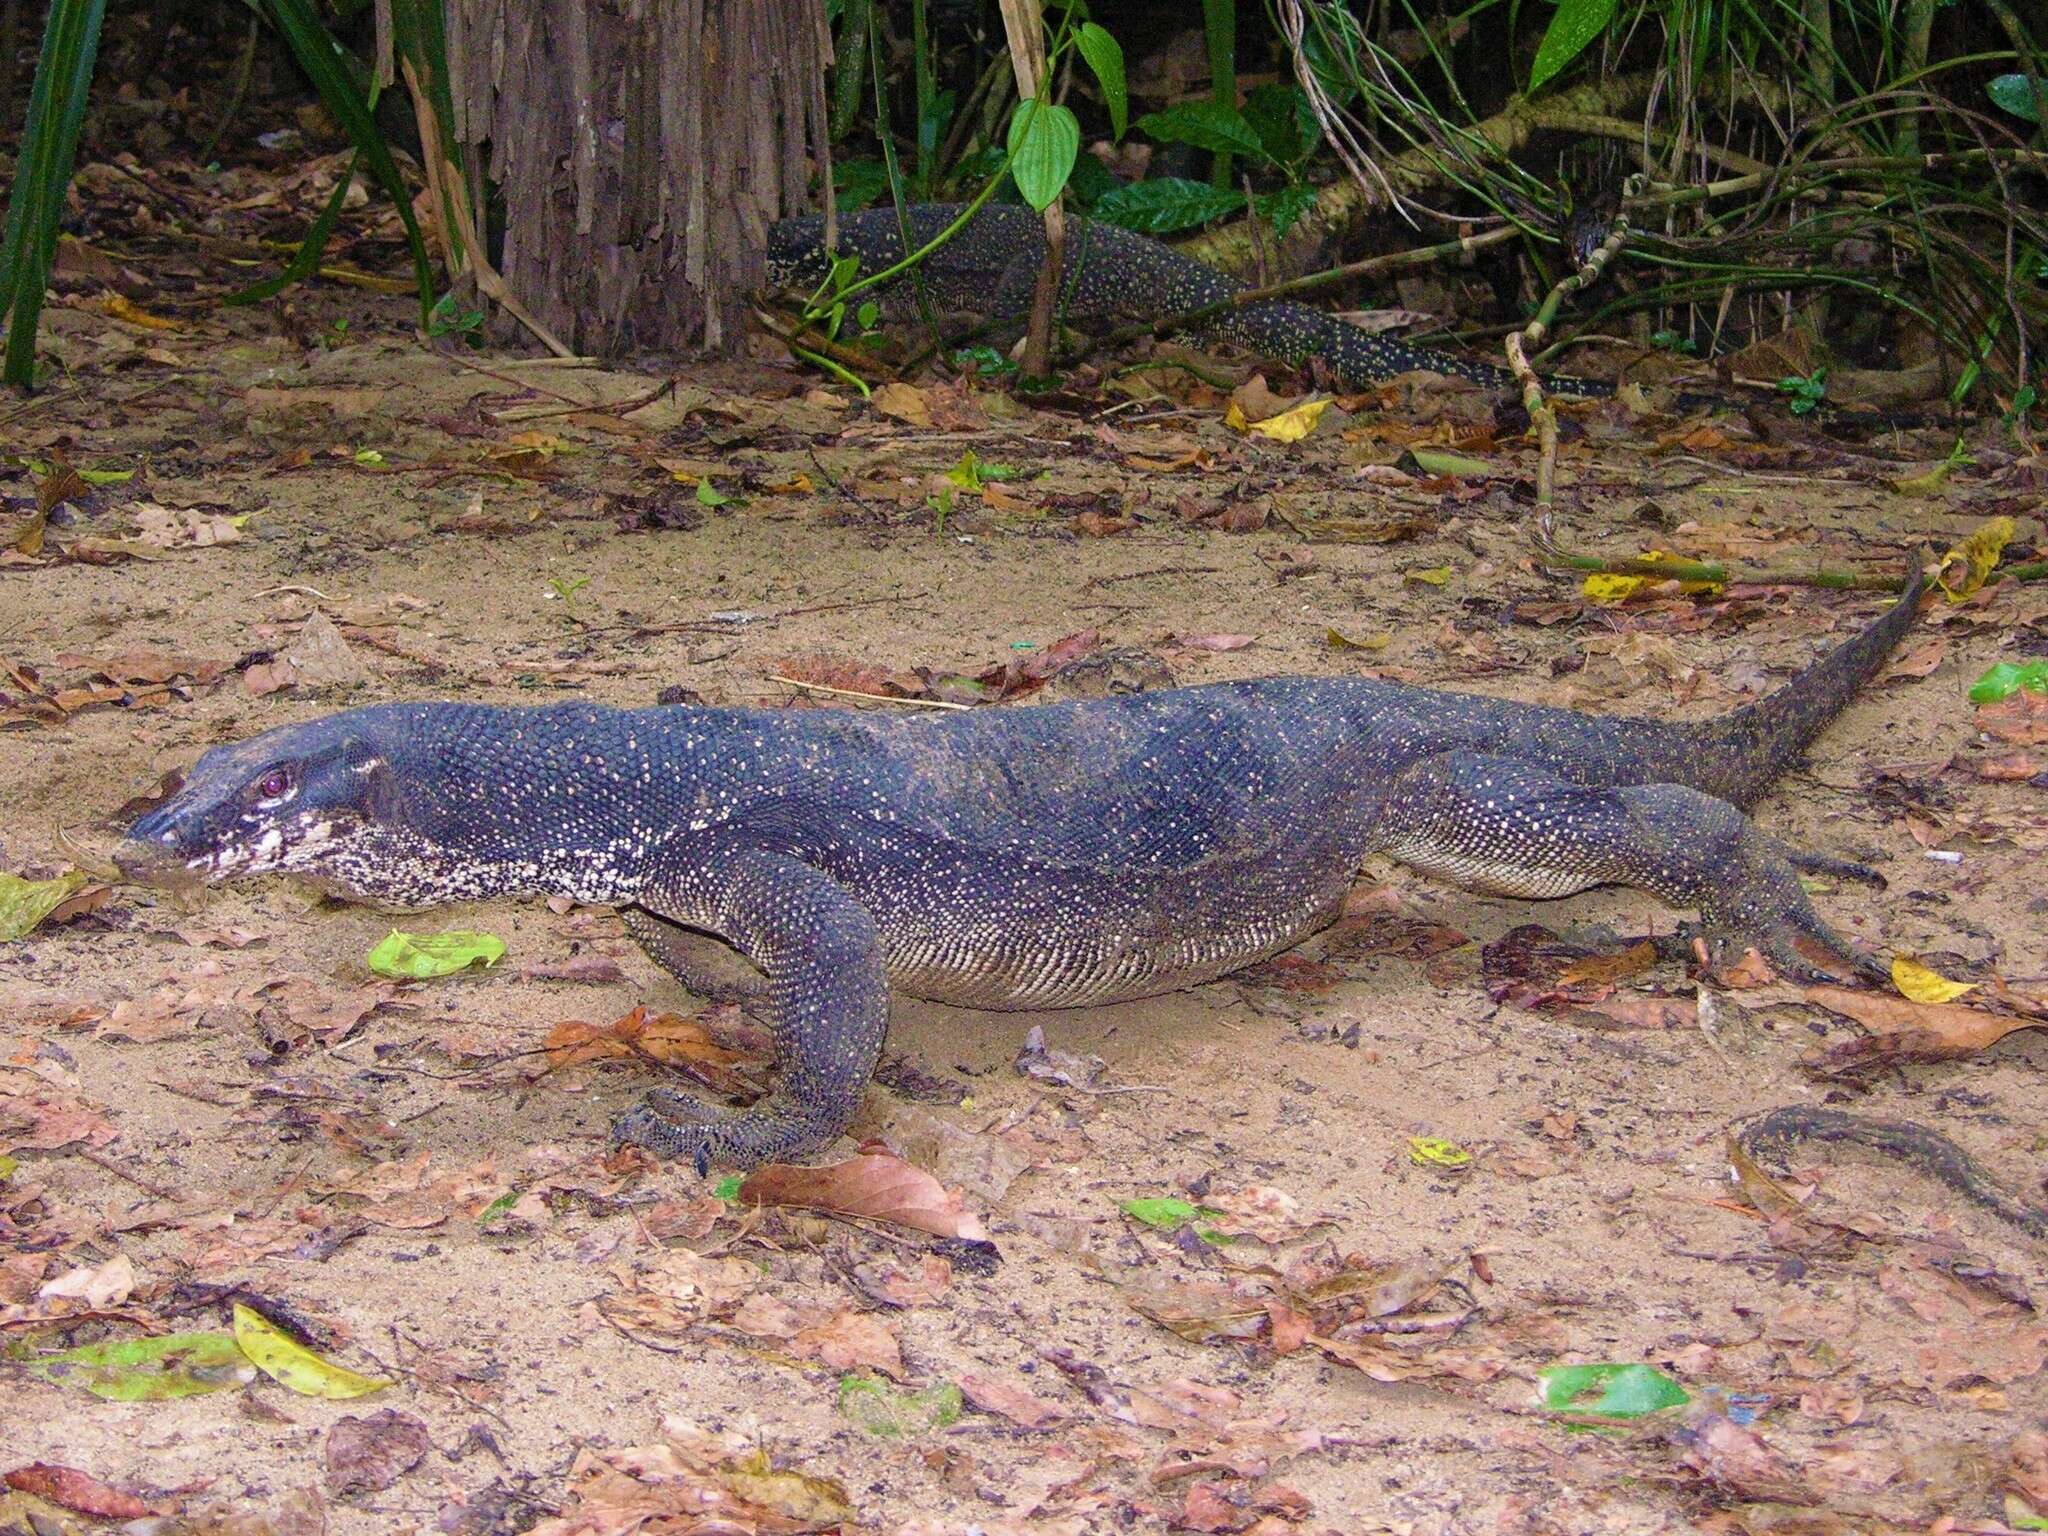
(642, 149)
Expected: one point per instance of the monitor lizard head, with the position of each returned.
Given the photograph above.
(319, 799)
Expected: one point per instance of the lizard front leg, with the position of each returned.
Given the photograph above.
(1510, 827)
(705, 965)
(829, 1004)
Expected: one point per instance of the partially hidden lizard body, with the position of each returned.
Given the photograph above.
(990, 266)
(1033, 857)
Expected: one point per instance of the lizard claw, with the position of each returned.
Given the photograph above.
(1799, 945)
(1841, 869)
(672, 1125)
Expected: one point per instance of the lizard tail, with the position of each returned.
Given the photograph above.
(1751, 746)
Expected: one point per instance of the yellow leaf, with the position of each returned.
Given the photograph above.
(1922, 985)
(1964, 568)
(1435, 1152)
(1605, 588)
(1927, 484)
(1432, 575)
(291, 1364)
(1337, 640)
(134, 314)
(1290, 426)
(797, 485)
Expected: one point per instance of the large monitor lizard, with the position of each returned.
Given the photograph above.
(1035, 857)
(991, 265)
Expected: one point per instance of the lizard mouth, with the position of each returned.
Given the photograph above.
(148, 863)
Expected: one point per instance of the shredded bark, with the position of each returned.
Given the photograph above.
(643, 149)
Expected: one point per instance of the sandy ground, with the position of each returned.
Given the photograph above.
(220, 1100)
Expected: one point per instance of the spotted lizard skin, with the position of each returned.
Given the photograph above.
(991, 265)
(1031, 857)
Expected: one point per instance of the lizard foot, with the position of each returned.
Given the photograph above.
(673, 1125)
(676, 1125)
(1796, 941)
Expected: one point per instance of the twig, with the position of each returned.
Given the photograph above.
(119, 1172)
(539, 389)
(1531, 336)
(859, 602)
(872, 698)
(1551, 553)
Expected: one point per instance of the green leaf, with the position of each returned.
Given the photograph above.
(1043, 146)
(1283, 209)
(1091, 182)
(1206, 125)
(1627, 1391)
(1576, 24)
(7, 1167)
(709, 495)
(1168, 1213)
(728, 1188)
(1284, 120)
(289, 1363)
(104, 476)
(986, 362)
(420, 957)
(42, 173)
(971, 474)
(2008, 678)
(24, 903)
(2015, 94)
(888, 1414)
(1437, 1152)
(1440, 462)
(1169, 203)
(856, 183)
(1105, 55)
(150, 1370)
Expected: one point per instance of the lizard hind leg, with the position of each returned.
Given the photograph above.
(1510, 827)
(829, 1006)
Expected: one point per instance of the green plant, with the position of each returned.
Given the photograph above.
(1043, 143)
(565, 588)
(448, 318)
(56, 113)
(1276, 129)
(1807, 390)
(71, 40)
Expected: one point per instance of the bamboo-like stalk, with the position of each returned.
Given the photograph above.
(1669, 568)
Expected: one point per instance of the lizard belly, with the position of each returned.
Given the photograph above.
(1065, 951)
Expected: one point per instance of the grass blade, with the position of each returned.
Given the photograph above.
(320, 57)
(56, 108)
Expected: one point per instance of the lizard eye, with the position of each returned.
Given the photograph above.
(275, 784)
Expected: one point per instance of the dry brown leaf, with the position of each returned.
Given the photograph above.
(76, 1490)
(1383, 1362)
(1099, 525)
(1010, 1401)
(905, 402)
(1922, 1031)
(664, 1037)
(878, 1186)
(848, 1340)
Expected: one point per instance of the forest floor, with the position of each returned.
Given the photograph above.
(278, 515)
